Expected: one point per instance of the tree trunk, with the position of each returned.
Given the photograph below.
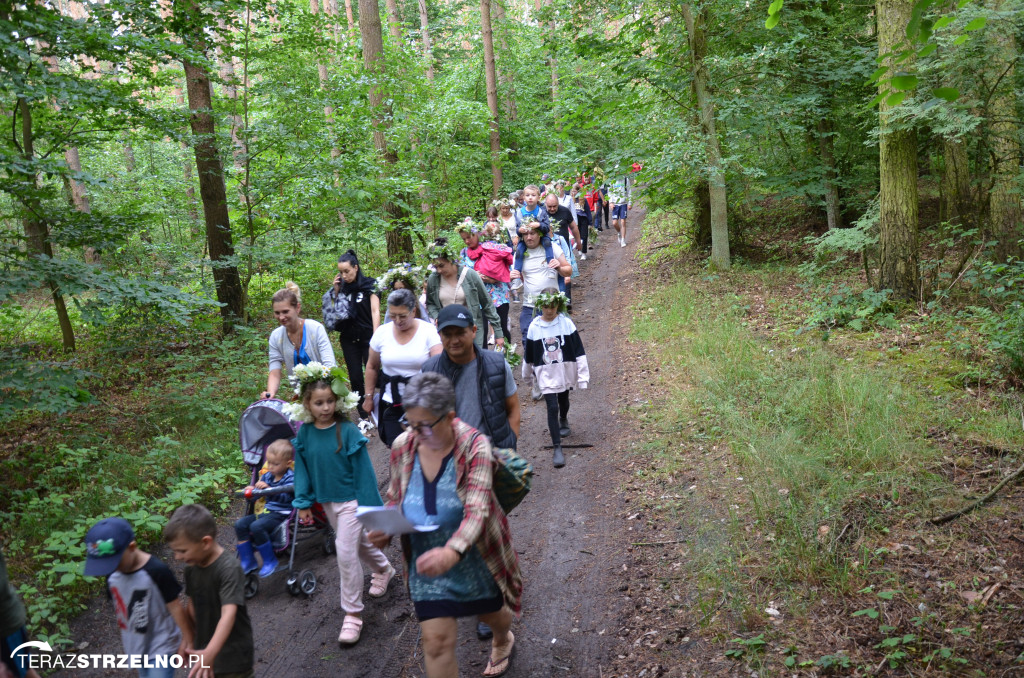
(897, 170)
(214, 195)
(702, 216)
(1005, 201)
(37, 233)
(394, 22)
(505, 75)
(955, 187)
(398, 239)
(697, 37)
(492, 97)
(428, 53)
(828, 165)
(349, 17)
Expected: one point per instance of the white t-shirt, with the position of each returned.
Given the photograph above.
(404, 360)
(536, 274)
(510, 226)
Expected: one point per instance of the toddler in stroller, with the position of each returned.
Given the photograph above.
(254, 530)
(265, 431)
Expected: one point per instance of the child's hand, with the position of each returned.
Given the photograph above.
(514, 274)
(261, 485)
(306, 516)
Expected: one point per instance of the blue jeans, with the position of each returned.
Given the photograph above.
(258, 527)
(525, 318)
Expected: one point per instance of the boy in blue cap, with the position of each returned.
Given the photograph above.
(144, 593)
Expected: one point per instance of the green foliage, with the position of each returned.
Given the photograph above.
(1002, 320)
(843, 307)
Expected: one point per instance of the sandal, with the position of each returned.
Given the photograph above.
(502, 666)
(351, 629)
(379, 582)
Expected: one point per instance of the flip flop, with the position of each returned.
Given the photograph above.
(506, 660)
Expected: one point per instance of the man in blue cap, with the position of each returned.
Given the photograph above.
(485, 390)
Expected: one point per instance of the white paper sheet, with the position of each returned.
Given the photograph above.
(388, 520)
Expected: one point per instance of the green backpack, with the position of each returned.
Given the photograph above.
(512, 478)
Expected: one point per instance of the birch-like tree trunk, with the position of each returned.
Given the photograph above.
(505, 75)
(897, 168)
(696, 32)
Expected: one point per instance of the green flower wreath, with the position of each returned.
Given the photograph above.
(549, 299)
(412, 276)
(442, 250)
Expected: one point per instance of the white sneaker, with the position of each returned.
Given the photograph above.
(622, 242)
(583, 257)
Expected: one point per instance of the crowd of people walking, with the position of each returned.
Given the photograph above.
(434, 380)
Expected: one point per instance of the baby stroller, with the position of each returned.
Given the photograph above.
(261, 424)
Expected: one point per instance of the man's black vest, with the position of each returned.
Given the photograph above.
(490, 372)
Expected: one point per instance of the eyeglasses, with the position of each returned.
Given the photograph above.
(425, 430)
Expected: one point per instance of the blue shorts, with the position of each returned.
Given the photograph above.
(619, 211)
(19, 663)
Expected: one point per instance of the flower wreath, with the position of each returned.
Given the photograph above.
(504, 202)
(305, 375)
(442, 250)
(412, 276)
(549, 299)
(468, 226)
(531, 224)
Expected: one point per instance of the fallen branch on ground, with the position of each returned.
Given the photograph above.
(939, 520)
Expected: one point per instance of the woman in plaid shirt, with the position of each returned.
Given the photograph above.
(441, 474)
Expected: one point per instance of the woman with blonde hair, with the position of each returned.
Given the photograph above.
(296, 340)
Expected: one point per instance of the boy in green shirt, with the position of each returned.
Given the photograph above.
(215, 585)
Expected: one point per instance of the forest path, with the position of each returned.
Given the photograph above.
(568, 533)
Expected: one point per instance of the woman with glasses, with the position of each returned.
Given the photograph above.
(441, 474)
(398, 350)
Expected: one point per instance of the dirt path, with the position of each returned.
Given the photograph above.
(567, 533)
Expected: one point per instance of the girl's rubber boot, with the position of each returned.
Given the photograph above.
(563, 428)
(558, 459)
(266, 550)
(247, 557)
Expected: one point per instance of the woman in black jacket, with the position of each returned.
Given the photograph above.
(364, 317)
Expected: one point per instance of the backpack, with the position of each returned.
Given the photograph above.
(512, 478)
(336, 308)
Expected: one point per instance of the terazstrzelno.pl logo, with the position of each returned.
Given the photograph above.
(45, 658)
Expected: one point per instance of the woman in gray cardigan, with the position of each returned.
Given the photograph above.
(453, 283)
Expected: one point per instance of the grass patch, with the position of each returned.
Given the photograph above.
(803, 472)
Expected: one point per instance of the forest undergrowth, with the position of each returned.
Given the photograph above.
(794, 464)
(161, 431)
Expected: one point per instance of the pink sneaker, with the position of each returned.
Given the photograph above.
(351, 629)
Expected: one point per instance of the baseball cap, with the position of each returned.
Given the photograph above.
(105, 543)
(455, 315)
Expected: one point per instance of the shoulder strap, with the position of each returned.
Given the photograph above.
(462, 277)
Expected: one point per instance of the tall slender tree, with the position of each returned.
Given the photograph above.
(897, 165)
(210, 169)
(370, 30)
(696, 31)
